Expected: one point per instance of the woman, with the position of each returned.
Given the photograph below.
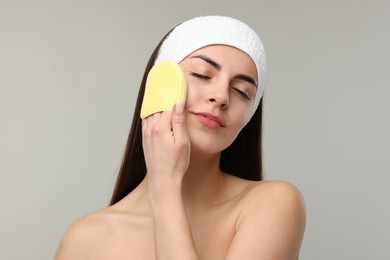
(190, 185)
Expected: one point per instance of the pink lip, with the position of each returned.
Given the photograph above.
(210, 120)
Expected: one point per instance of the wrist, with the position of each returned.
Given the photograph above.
(165, 192)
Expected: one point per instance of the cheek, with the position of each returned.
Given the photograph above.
(192, 95)
(239, 127)
(247, 117)
(241, 112)
(238, 122)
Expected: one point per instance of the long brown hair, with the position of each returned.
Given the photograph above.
(243, 158)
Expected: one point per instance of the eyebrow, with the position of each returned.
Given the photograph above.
(247, 79)
(209, 61)
(218, 67)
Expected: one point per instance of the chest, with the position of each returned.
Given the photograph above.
(212, 232)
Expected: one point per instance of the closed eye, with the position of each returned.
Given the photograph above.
(200, 76)
(242, 93)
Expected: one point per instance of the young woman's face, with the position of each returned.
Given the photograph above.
(221, 84)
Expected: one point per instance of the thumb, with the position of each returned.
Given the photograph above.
(178, 120)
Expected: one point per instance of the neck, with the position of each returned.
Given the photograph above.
(201, 184)
(202, 181)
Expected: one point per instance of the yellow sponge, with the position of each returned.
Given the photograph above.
(165, 85)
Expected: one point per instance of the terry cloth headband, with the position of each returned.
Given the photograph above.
(202, 31)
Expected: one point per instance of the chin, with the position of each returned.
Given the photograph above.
(208, 147)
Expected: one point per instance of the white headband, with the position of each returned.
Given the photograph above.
(207, 30)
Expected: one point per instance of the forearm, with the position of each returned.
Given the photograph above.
(172, 232)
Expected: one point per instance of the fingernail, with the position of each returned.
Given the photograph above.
(179, 107)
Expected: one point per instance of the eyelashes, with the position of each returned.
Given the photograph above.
(242, 93)
(200, 76)
(239, 91)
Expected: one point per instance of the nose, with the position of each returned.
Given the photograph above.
(219, 95)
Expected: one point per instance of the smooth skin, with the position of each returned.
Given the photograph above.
(186, 207)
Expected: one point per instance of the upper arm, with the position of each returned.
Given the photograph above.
(271, 224)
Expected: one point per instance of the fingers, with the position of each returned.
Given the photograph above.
(157, 122)
(179, 122)
(168, 124)
(164, 120)
(165, 142)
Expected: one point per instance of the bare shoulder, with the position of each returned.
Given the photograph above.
(275, 193)
(84, 238)
(261, 194)
(271, 222)
(276, 200)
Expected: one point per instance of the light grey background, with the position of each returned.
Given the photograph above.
(70, 71)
